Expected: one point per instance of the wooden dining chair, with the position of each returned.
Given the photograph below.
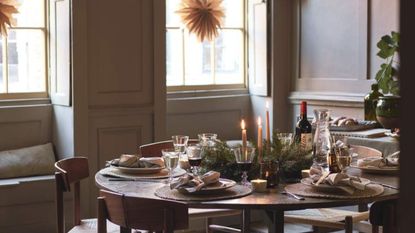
(154, 150)
(327, 218)
(140, 213)
(69, 172)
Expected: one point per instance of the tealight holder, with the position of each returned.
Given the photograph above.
(269, 171)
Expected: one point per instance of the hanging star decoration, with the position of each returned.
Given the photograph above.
(7, 8)
(202, 17)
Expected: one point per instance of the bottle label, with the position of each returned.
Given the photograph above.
(306, 142)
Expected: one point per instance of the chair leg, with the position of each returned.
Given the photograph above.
(348, 224)
(208, 222)
(246, 220)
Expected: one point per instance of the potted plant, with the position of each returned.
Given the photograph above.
(387, 109)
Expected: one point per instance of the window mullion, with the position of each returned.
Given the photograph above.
(213, 61)
(183, 57)
(5, 65)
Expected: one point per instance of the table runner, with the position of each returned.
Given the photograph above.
(233, 192)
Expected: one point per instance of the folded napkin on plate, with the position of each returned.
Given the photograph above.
(193, 183)
(133, 161)
(379, 162)
(342, 181)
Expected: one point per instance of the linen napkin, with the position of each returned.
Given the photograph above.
(380, 162)
(133, 161)
(341, 180)
(194, 183)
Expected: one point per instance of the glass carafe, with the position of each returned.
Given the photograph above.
(322, 140)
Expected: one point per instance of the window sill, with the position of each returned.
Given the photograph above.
(196, 94)
(23, 102)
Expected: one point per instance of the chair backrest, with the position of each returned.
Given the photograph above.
(141, 213)
(154, 149)
(69, 171)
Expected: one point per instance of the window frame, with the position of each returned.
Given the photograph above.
(27, 95)
(210, 87)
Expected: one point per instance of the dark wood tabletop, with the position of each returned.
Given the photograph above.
(272, 201)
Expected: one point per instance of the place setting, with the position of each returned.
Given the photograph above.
(329, 178)
(196, 185)
(133, 167)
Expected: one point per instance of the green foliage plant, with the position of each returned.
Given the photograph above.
(387, 76)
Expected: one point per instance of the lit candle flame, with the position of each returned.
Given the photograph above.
(259, 121)
(242, 124)
(267, 105)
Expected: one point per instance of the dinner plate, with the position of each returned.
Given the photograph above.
(378, 170)
(219, 186)
(329, 188)
(137, 170)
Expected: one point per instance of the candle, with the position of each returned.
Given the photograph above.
(259, 185)
(259, 140)
(243, 136)
(268, 135)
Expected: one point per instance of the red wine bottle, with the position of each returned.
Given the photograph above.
(303, 129)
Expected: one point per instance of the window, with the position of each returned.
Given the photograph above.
(208, 65)
(23, 53)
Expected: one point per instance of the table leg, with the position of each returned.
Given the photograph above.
(275, 220)
(246, 220)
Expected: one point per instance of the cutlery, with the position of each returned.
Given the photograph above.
(293, 195)
(385, 185)
(131, 179)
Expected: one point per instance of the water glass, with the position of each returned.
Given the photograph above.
(194, 155)
(244, 157)
(171, 160)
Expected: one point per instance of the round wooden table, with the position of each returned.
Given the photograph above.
(273, 203)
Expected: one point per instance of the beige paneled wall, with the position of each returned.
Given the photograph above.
(221, 115)
(117, 79)
(24, 126)
(335, 54)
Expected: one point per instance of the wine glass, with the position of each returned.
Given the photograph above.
(286, 139)
(207, 139)
(180, 142)
(171, 160)
(343, 158)
(194, 155)
(244, 157)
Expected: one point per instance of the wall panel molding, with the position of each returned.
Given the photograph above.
(333, 55)
(120, 75)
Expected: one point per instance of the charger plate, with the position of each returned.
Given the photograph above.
(139, 170)
(233, 192)
(371, 190)
(217, 187)
(163, 173)
(378, 170)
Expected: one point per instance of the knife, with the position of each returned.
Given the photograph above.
(385, 185)
(293, 195)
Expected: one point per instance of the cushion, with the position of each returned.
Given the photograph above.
(28, 161)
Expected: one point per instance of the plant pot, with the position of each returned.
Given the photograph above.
(387, 111)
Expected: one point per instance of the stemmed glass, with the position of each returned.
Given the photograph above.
(344, 158)
(244, 157)
(207, 139)
(194, 155)
(180, 144)
(171, 160)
